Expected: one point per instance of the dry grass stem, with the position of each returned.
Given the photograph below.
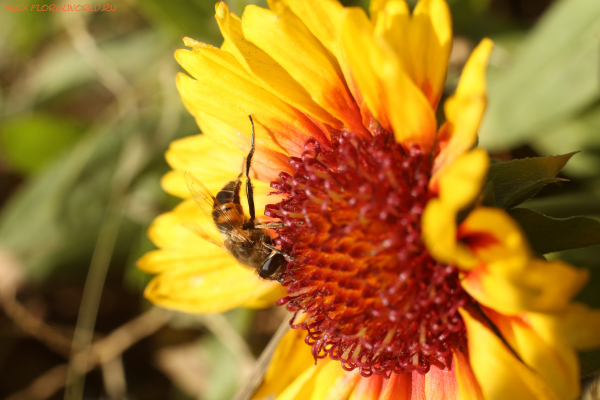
(102, 351)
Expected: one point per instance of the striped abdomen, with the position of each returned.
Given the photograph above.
(227, 207)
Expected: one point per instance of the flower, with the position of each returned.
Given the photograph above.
(293, 375)
(398, 272)
(524, 348)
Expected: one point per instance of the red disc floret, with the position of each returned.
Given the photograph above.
(372, 295)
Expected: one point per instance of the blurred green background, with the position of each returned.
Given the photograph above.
(88, 106)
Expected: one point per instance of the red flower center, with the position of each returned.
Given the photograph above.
(374, 297)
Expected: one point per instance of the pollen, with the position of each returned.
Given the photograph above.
(372, 295)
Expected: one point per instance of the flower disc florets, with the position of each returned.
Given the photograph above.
(373, 296)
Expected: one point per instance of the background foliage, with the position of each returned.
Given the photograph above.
(88, 107)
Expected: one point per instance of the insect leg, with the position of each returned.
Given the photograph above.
(249, 190)
(276, 250)
(275, 225)
(271, 225)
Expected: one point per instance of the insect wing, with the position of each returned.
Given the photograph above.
(205, 234)
(203, 197)
(209, 204)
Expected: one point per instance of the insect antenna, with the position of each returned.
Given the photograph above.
(249, 189)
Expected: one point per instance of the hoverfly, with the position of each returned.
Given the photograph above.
(245, 239)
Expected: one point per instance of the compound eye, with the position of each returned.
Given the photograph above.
(272, 266)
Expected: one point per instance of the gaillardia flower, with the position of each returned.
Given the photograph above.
(397, 270)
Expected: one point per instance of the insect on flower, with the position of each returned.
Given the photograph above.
(386, 280)
(245, 239)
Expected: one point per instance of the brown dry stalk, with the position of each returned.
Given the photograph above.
(102, 351)
(33, 326)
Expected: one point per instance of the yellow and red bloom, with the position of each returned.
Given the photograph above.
(399, 273)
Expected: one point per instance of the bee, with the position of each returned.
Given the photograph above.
(245, 239)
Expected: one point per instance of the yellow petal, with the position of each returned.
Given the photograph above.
(430, 35)
(288, 41)
(267, 299)
(377, 71)
(578, 326)
(223, 90)
(171, 230)
(262, 197)
(441, 384)
(492, 235)
(462, 181)
(212, 164)
(413, 120)
(302, 387)
(556, 363)
(224, 135)
(204, 257)
(554, 283)
(363, 55)
(465, 108)
(188, 226)
(192, 269)
(499, 373)
(321, 17)
(291, 357)
(265, 69)
(467, 383)
(484, 237)
(422, 42)
(383, 12)
(398, 387)
(327, 384)
(174, 183)
(193, 60)
(292, 374)
(391, 19)
(209, 292)
(215, 165)
(324, 19)
(508, 279)
(472, 82)
(367, 388)
(540, 286)
(266, 164)
(439, 233)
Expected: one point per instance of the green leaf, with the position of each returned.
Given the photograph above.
(579, 133)
(518, 180)
(53, 220)
(183, 18)
(23, 31)
(589, 293)
(589, 362)
(488, 195)
(584, 202)
(547, 234)
(55, 216)
(135, 279)
(224, 372)
(552, 76)
(30, 143)
(64, 69)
